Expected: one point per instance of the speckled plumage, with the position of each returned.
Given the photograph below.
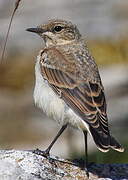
(68, 86)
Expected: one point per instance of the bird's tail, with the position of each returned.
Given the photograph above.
(115, 145)
(105, 142)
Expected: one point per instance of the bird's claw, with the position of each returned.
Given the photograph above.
(41, 153)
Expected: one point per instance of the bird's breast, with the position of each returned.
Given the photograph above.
(46, 99)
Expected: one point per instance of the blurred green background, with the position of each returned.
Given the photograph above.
(105, 26)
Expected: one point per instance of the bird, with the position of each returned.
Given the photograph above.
(68, 87)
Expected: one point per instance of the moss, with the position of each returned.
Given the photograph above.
(17, 73)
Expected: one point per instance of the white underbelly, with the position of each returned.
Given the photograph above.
(55, 108)
(47, 100)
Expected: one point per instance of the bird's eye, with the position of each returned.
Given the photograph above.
(58, 28)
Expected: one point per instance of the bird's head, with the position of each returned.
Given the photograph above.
(57, 32)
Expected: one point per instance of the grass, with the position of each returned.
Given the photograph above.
(17, 74)
(110, 157)
(100, 157)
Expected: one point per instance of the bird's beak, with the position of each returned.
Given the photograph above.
(36, 30)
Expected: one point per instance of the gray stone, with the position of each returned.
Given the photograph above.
(25, 165)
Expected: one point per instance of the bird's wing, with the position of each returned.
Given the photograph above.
(84, 96)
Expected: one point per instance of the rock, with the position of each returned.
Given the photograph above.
(25, 165)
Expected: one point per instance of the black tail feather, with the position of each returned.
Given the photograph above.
(101, 139)
(115, 145)
(104, 142)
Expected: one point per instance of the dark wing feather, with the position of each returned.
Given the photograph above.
(84, 97)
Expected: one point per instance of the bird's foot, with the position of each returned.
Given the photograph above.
(87, 172)
(46, 155)
(41, 153)
(87, 166)
(51, 159)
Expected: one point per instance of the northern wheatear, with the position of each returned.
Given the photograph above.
(68, 86)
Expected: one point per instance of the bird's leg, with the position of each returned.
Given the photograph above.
(86, 153)
(55, 139)
(86, 148)
(46, 152)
